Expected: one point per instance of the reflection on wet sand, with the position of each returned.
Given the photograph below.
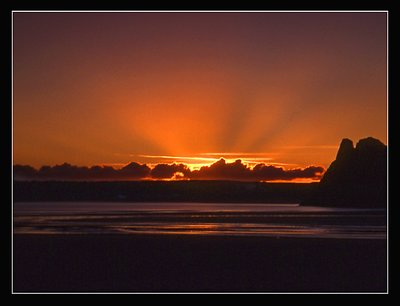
(198, 219)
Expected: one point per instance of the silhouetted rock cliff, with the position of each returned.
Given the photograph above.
(357, 178)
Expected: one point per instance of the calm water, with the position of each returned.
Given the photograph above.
(276, 220)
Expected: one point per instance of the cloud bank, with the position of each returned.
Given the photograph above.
(220, 170)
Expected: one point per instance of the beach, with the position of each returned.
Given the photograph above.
(196, 263)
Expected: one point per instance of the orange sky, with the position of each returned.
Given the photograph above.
(110, 88)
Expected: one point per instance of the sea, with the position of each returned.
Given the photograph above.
(219, 219)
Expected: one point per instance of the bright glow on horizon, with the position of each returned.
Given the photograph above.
(179, 158)
(196, 162)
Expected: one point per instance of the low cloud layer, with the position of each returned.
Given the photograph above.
(220, 170)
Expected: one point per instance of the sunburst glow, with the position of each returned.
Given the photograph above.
(274, 88)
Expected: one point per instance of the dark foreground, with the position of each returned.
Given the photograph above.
(171, 263)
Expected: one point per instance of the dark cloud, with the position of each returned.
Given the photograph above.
(135, 170)
(261, 172)
(166, 171)
(70, 172)
(24, 172)
(220, 170)
(309, 172)
(64, 171)
(102, 172)
(264, 172)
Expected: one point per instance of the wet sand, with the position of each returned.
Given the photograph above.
(189, 263)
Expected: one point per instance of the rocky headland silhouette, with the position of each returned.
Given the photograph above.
(357, 177)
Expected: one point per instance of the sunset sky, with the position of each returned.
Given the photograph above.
(273, 88)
